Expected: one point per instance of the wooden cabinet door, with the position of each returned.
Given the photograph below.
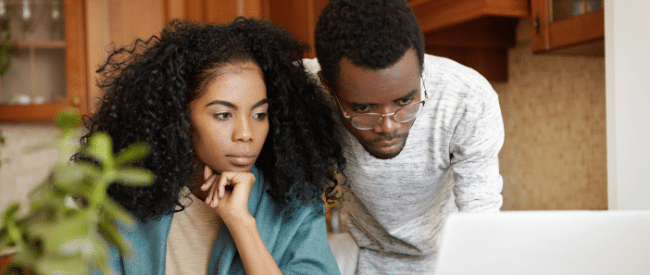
(33, 80)
(568, 26)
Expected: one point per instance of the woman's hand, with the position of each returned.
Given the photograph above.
(228, 193)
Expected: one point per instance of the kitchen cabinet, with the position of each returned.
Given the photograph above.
(568, 27)
(475, 33)
(296, 16)
(48, 70)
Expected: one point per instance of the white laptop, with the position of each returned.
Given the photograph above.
(546, 242)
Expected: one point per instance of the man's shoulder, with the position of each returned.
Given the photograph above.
(311, 65)
(447, 75)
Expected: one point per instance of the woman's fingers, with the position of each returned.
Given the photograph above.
(224, 179)
(240, 183)
(213, 200)
(207, 172)
(212, 186)
(208, 177)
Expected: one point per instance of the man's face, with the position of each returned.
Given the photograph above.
(383, 91)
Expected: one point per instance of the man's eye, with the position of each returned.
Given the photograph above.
(222, 116)
(362, 108)
(404, 101)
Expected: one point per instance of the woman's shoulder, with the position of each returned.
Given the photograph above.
(295, 211)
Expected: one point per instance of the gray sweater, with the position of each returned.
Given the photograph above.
(396, 207)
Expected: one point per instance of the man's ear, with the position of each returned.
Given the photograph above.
(324, 82)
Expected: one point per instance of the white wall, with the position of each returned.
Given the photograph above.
(22, 171)
(627, 58)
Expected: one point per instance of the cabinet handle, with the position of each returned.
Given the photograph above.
(536, 24)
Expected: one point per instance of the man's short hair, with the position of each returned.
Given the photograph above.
(373, 34)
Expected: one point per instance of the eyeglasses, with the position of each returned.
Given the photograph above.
(368, 121)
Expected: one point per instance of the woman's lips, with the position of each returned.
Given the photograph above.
(242, 159)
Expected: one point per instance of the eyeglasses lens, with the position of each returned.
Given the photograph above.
(406, 113)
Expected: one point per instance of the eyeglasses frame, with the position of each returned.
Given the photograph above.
(382, 116)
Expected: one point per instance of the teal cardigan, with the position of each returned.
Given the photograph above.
(298, 243)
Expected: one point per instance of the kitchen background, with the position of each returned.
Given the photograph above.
(553, 106)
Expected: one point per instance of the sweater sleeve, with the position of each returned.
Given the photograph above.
(474, 151)
(308, 251)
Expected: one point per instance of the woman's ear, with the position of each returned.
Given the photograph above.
(324, 82)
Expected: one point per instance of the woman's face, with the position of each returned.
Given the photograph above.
(230, 118)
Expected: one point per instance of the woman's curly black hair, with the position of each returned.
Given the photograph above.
(148, 88)
(373, 34)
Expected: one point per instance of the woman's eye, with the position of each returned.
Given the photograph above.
(261, 116)
(222, 116)
(404, 101)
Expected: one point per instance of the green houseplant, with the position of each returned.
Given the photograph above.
(6, 48)
(71, 220)
(5, 58)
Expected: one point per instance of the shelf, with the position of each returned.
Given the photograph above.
(41, 45)
(438, 14)
(31, 112)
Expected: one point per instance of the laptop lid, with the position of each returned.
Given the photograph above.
(546, 242)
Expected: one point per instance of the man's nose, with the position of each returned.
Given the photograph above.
(387, 124)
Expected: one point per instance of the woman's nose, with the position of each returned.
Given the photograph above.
(243, 130)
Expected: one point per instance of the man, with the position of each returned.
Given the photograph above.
(423, 133)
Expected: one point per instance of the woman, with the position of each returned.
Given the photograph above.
(240, 146)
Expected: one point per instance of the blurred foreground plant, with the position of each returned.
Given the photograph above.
(2, 143)
(70, 217)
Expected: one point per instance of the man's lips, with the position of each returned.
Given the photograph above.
(387, 142)
(243, 159)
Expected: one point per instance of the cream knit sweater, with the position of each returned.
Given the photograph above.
(396, 207)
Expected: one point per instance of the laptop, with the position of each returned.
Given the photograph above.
(545, 242)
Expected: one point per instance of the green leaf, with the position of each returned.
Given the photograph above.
(68, 120)
(9, 220)
(65, 174)
(25, 258)
(62, 265)
(65, 237)
(100, 257)
(115, 212)
(112, 234)
(5, 66)
(5, 241)
(134, 176)
(90, 170)
(100, 147)
(10, 213)
(133, 153)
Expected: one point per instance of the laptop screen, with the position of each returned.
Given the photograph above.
(546, 242)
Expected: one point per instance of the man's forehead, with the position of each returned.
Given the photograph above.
(364, 85)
